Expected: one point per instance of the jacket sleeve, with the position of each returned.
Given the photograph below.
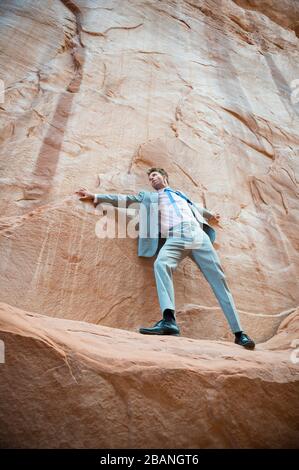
(119, 199)
(204, 212)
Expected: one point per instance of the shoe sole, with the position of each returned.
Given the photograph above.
(248, 346)
(158, 334)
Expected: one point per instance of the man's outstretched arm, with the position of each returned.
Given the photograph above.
(210, 216)
(114, 199)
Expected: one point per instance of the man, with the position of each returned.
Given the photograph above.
(185, 226)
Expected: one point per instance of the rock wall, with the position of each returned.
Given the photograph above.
(208, 90)
(71, 384)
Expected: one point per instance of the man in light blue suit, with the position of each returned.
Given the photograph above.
(185, 228)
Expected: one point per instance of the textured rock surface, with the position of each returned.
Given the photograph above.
(203, 88)
(283, 12)
(73, 384)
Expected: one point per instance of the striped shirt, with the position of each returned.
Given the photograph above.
(168, 214)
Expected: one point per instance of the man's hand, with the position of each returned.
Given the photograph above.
(215, 218)
(85, 195)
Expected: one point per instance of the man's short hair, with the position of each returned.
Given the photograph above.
(158, 170)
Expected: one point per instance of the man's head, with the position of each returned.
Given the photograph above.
(158, 178)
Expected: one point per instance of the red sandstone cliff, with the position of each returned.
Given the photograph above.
(208, 90)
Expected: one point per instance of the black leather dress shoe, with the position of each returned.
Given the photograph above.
(245, 341)
(162, 327)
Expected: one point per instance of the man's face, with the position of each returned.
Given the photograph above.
(157, 180)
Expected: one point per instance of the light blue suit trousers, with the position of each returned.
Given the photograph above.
(188, 239)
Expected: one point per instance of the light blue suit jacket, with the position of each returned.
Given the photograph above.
(148, 240)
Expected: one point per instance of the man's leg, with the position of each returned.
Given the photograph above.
(170, 255)
(208, 262)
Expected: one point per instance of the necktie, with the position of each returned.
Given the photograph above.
(168, 191)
